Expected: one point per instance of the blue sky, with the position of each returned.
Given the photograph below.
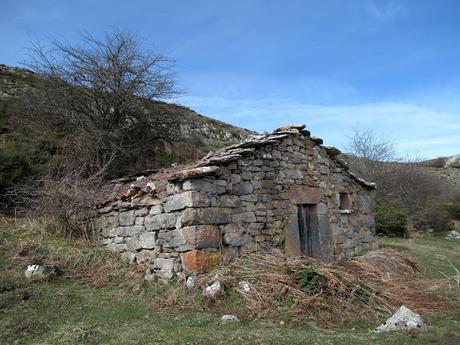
(393, 66)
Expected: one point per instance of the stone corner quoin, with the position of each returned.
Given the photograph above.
(280, 190)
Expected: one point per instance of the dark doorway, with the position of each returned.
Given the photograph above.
(308, 229)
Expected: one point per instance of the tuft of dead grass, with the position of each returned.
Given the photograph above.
(79, 260)
(368, 287)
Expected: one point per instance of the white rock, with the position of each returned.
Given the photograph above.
(229, 318)
(213, 290)
(30, 271)
(140, 178)
(404, 318)
(190, 282)
(39, 270)
(151, 185)
(244, 285)
(453, 235)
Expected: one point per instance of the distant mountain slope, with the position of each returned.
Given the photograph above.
(180, 133)
(448, 168)
(443, 162)
(453, 161)
(443, 169)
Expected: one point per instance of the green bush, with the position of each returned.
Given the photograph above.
(390, 222)
(310, 280)
(435, 218)
(454, 211)
(14, 165)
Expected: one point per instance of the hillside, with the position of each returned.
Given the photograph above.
(443, 162)
(447, 168)
(178, 133)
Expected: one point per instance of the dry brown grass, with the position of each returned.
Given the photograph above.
(365, 288)
(79, 260)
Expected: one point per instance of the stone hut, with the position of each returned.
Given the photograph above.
(284, 190)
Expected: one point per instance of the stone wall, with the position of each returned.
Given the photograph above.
(238, 202)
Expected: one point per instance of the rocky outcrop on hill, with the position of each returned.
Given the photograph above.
(453, 161)
(443, 162)
(15, 81)
(447, 168)
(178, 134)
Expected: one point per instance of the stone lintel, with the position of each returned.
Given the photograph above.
(305, 195)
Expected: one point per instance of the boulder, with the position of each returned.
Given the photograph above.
(453, 235)
(40, 271)
(404, 318)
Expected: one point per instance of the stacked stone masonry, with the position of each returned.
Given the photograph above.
(244, 198)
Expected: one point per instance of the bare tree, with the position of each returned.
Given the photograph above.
(401, 184)
(370, 150)
(90, 110)
(98, 93)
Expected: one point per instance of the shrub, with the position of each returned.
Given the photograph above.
(390, 222)
(14, 165)
(454, 211)
(310, 280)
(434, 219)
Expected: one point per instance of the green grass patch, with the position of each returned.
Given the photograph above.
(127, 310)
(434, 253)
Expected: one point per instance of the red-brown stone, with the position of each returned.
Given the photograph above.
(198, 261)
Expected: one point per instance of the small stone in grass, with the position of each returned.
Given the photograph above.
(213, 290)
(40, 271)
(244, 285)
(191, 282)
(229, 318)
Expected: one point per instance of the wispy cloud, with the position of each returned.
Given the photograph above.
(414, 129)
(383, 11)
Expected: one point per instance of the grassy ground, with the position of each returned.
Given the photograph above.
(88, 306)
